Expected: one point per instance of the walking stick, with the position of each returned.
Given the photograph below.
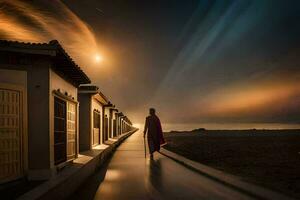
(145, 147)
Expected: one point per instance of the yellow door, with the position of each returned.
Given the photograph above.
(71, 130)
(11, 164)
(96, 127)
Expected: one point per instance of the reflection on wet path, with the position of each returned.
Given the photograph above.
(130, 176)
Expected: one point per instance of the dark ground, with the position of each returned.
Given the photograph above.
(270, 158)
(17, 188)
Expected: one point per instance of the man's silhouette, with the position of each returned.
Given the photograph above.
(154, 132)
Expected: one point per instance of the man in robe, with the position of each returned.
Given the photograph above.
(154, 132)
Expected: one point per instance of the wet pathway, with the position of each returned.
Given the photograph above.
(130, 176)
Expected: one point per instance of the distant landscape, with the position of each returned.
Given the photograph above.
(167, 127)
(269, 158)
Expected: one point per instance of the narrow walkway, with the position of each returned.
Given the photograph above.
(130, 176)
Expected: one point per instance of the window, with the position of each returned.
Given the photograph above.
(114, 127)
(105, 135)
(59, 131)
(71, 131)
(64, 130)
(96, 128)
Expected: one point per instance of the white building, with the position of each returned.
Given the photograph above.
(38, 109)
(92, 127)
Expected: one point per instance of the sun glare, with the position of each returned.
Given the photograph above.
(98, 58)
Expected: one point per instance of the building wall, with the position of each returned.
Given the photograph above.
(85, 121)
(38, 115)
(57, 82)
(15, 77)
(34, 76)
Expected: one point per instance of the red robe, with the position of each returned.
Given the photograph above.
(160, 133)
(154, 133)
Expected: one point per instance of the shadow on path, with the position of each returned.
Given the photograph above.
(88, 189)
(129, 175)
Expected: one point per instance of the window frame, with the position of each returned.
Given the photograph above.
(67, 100)
(98, 114)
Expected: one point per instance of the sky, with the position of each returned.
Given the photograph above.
(210, 61)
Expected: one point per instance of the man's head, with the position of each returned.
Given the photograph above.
(152, 111)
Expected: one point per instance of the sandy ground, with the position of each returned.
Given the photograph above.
(270, 158)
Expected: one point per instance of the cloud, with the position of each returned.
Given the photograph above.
(42, 21)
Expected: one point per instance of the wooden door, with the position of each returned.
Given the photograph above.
(105, 128)
(71, 130)
(59, 130)
(115, 128)
(11, 135)
(96, 128)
